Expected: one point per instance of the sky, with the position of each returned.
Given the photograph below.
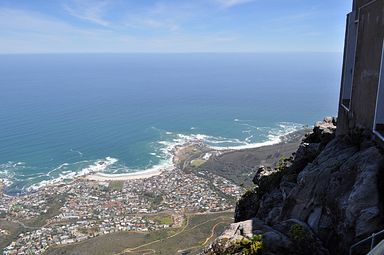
(164, 26)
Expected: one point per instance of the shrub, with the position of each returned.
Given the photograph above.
(248, 193)
(251, 246)
(302, 241)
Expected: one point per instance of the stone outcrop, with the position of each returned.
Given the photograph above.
(330, 192)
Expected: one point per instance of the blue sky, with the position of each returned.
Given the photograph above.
(60, 26)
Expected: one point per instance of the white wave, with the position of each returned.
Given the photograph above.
(6, 182)
(248, 139)
(274, 136)
(8, 172)
(57, 168)
(248, 125)
(217, 143)
(273, 141)
(11, 164)
(78, 152)
(167, 148)
(239, 120)
(165, 152)
(98, 166)
(221, 140)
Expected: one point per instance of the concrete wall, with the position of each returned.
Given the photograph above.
(367, 67)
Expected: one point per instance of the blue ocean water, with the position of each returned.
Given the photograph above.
(61, 115)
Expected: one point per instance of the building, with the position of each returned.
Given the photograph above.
(362, 85)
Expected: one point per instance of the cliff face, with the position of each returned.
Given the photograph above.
(324, 198)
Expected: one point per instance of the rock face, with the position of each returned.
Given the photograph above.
(330, 192)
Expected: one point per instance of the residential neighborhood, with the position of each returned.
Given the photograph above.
(82, 209)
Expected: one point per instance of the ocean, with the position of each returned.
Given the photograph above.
(61, 115)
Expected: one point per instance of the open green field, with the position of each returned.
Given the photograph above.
(196, 233)
(116, 185)
(162, 219)
(197, 162)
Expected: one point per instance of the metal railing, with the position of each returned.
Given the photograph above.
(374, 239)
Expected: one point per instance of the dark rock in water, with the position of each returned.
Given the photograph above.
(324, 199)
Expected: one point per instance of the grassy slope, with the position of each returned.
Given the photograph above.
(161, 242)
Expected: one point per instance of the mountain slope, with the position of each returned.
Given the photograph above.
(324, 198)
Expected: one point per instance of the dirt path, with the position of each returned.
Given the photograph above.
(207, 239)
(135, 249)
(128, 250)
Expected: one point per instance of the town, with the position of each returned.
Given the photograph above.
(82, 209)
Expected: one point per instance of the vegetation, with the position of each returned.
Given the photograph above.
(247, 193)
(192, 237)
(270, 182)
(282, 164)
(302, 240)
(164, 219)
(54, 209)
(116, 185)
(251, 246)
(155, 199)
(197, 162)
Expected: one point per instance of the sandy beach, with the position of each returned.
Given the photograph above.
(123, 177)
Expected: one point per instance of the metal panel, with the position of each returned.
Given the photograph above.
(350, 55)
(379, 114)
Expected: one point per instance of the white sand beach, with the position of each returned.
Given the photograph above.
(123, 177)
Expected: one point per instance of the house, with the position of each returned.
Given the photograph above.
(362, 85)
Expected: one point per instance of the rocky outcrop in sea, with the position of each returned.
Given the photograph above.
(327, 196)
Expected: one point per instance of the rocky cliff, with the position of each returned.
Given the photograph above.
(324, 198)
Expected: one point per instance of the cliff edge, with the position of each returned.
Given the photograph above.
(324, 198)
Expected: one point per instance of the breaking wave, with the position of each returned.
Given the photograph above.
(160, 155)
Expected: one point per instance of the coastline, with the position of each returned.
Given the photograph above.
(184, 154)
